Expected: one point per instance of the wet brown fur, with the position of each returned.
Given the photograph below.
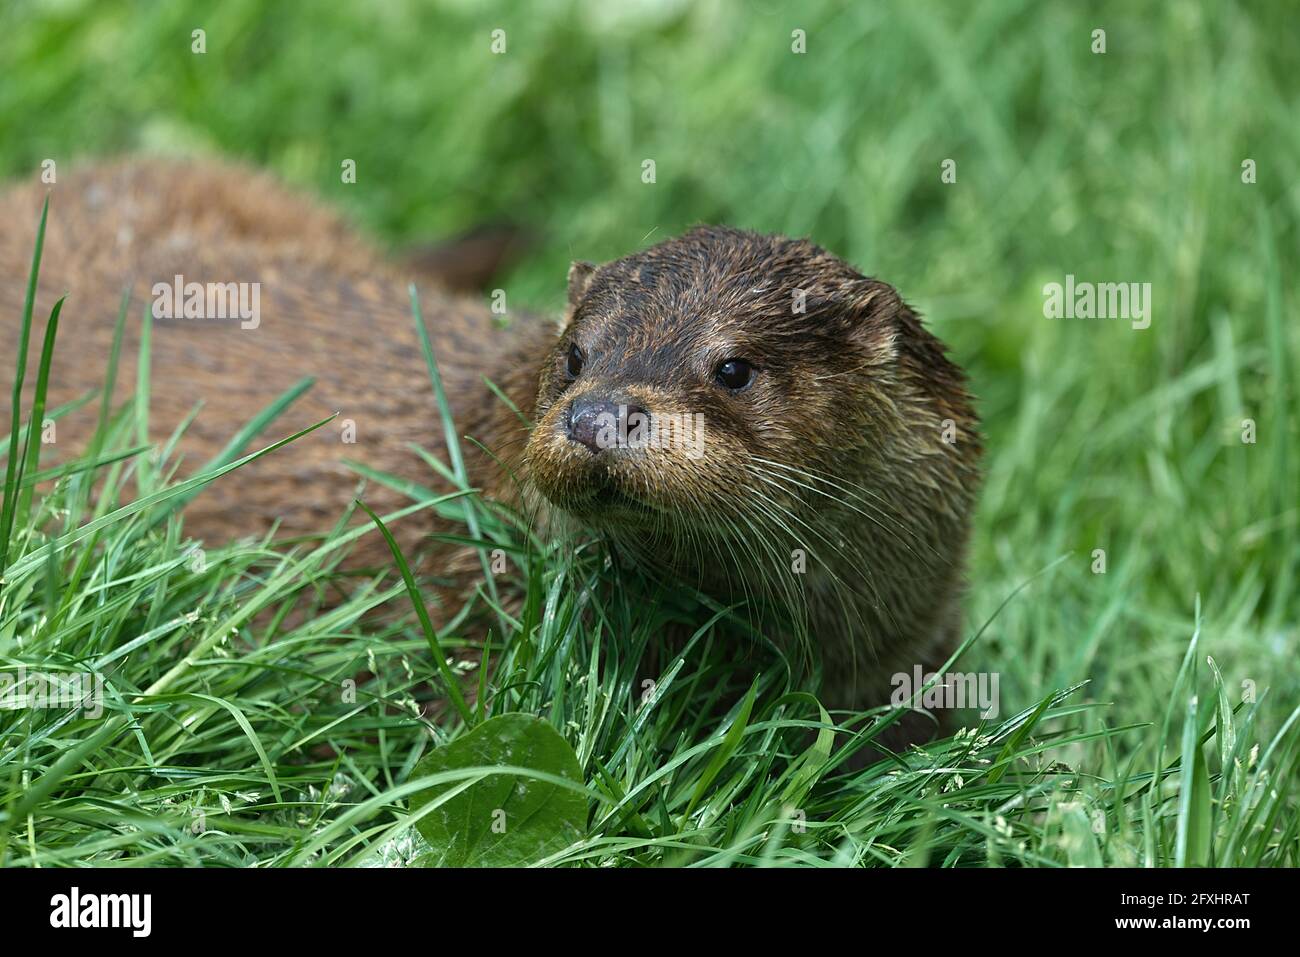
(856, 443)
(332, 308)
(849, 406)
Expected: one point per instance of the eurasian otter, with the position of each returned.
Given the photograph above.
(747, 411)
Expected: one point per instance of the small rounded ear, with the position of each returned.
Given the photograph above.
(876, 316)
(580, 273)
(872, 299)
(864, 307)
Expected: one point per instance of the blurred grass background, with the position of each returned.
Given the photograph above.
(1122, 166)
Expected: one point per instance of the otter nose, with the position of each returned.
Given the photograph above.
(603, 423)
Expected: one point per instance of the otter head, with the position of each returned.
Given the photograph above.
(733, 394)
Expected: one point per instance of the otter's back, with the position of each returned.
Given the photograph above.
(327, 306)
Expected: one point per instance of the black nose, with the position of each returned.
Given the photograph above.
(605, 424)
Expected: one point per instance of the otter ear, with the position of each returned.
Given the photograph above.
(875, 314)
(860, 306)
(874, 302)
(580, 273)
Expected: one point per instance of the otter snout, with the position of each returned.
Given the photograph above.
(604, 423)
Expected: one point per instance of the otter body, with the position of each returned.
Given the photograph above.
(330, 307)
(745, 411)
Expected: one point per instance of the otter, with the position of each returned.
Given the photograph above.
(747, 412)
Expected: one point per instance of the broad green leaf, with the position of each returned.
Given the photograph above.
(507, 819)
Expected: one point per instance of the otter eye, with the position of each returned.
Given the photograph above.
(735, 374)
(573, 364)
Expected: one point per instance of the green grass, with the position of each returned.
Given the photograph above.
(229, 737)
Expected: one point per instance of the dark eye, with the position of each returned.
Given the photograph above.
(573, 364)
(735, 374)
